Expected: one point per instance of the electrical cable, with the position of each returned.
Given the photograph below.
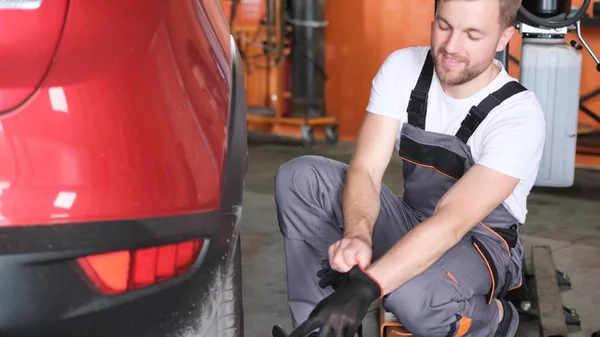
(232, 13)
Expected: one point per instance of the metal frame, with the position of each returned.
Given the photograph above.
(550, 309)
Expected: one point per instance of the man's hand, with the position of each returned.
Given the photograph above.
(342, 312)
(352, 249)
(329, 277)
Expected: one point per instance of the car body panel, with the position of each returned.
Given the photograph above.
(30, 36)
(130, 122)
(135, 139)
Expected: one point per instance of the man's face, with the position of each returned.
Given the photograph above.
(465, 37)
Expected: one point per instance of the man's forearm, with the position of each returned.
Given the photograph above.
(361, 203)
(469, 201)
(414, 253)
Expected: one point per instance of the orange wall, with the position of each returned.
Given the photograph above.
(361, 33)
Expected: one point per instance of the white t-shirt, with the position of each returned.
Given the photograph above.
(510, 139)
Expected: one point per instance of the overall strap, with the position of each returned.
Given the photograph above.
(417, 105)
(478, 113)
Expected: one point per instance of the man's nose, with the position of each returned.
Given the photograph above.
(453, 43)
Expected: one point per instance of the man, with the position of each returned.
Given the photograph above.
(443, 255)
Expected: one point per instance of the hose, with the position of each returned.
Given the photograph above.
(232, 13)
(525, 16)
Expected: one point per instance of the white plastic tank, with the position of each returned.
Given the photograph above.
(551, 68)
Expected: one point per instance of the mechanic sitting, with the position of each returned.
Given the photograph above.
(443, 255)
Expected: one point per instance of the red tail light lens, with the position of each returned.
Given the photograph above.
(125, 270)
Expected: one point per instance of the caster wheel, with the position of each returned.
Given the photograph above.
(331, 134)
(308, 136)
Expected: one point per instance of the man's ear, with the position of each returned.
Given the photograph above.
(505, 38)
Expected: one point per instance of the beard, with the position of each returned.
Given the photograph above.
(462, 76)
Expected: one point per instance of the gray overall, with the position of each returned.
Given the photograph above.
(453, 297)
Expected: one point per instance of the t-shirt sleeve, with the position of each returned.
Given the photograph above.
(514, 144)
(388, 92)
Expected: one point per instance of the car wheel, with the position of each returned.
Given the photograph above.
(231, 318)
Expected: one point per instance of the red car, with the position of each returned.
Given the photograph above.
(123, 156)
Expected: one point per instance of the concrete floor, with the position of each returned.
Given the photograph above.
(567, 219)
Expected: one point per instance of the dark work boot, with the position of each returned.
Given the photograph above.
(510, 320)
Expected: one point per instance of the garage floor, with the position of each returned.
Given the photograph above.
(568, 220)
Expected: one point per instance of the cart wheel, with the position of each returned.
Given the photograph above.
(331, 134)
(308, 136)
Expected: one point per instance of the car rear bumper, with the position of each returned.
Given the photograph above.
(45, 293)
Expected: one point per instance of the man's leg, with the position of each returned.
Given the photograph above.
(308, 196)
(450, 297)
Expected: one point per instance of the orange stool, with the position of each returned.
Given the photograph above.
(389, 325)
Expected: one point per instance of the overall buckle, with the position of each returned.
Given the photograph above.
(417, 103)
(473, 120)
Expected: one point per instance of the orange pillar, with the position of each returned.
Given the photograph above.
(360, 35)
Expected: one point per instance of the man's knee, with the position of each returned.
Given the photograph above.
(425, 305)
(295, 173)
(302, 176)
(299, 183)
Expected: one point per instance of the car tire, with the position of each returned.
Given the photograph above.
(231, 318)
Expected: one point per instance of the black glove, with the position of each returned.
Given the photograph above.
(278, 331)
(342, 312)
(329, 277)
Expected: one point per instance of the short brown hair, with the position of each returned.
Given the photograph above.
(508, 11)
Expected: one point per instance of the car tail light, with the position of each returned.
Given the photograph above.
(125, 270)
